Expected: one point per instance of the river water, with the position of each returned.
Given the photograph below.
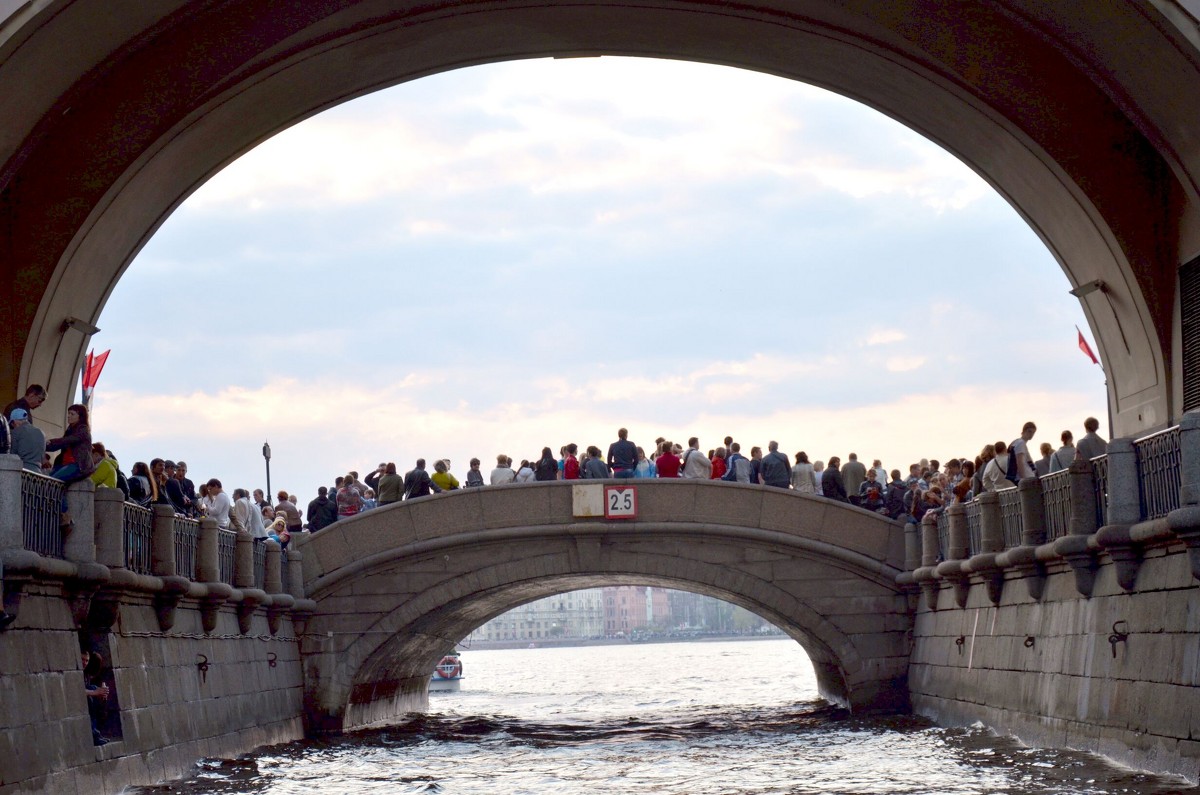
(696, 718)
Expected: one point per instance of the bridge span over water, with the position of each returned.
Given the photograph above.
(396, 587)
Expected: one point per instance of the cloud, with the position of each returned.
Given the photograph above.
(886, 337)
(903, 364)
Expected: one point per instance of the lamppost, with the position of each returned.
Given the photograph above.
(267, 457)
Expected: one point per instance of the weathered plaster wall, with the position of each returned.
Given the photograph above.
(170, 715)
(1066, 688)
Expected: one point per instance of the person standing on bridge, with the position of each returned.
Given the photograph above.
(804, 479)
(775, 469)
(666, 463)
(35, 395)
(28, 441)
(391, 487)
(288, 509)
(1023, 465)
(695, 464)
(349, 498)
(417, 482)
(503, 473)
(853, 475)
(622, 455)
(1092, 445)
(832, 485)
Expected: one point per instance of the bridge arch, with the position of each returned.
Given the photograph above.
(1082, 115)
(395, 588)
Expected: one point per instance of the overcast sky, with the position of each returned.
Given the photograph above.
(520, 255)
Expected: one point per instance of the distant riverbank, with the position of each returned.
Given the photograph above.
(562, 643)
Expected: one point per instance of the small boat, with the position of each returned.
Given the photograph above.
(447, 675)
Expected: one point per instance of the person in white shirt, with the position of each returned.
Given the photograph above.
(503, 473)
(695, 463)
(217, 504)
(1020, 448)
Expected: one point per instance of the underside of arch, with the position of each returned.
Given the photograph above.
(1082, 115)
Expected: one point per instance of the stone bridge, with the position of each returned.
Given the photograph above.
(396, 587)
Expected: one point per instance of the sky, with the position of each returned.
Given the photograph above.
(502, 258)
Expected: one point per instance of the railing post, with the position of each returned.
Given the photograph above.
(295, 572)
(79, 545)
(1033, 512)
(912, 547)
(991, 524)
(1189, 458)
(1124, 488)
(110, 528)
(1075, 547)
(243, 561)
(12, 530)
(959, 539)
(272, 581)
(208, 566)
(162, 542)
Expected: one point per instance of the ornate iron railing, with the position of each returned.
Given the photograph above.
(187, 533)
(260, 564)
(1056, 492)
(138, 524)
(226, 549)
(1010, 517)
(1100, 470)
(1158, 460)
(943, 526)
(41, 513)
(974, 527)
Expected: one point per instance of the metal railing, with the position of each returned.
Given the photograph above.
(1100, 469)
(138, 524)
(187, 532)
(226, 549)
(1056, 493)
(943, 528)
(41, 513)
(974, 527)
(1158, 462)
(260, 564)
(1010, 517)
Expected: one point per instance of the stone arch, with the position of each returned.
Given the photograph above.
(392, 597)
(1081, 115)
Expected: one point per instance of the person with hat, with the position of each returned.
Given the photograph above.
(28, 441)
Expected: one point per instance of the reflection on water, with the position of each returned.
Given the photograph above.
(686, 719)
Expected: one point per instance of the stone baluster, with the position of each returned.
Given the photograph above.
(931, 551)
(1033, 512)
(110, 528)
(162, 542)
(273, 581)
(1076, 547)
(1124, 489)
(991, 523)
(12, 530)
(208, 566)
(79, 544)
(1185, 521)
(163, 564)
(295, 572)
(959, 550)
(912, 547)
(243, 561)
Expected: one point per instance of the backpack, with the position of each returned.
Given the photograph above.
(1011, 471)
(123, 483)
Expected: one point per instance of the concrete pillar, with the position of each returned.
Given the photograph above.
(912, 547)
(295, 571)
(12, 531)
(1189, 458)
(1033, 512)
(1083, 496)
(208, 565)
(960, 539)
(930, 553)
(272, 582)
(991, 525)
(162, 542)
(1124, 492)
(243, 561)
(79, 545)
(110, 528)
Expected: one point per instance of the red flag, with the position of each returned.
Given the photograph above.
(1083, 346)
(94, 366)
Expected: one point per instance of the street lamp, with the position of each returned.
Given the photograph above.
(267, 457)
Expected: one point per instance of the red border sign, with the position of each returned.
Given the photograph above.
(620, 502)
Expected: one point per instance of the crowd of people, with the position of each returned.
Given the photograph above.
(928, 485)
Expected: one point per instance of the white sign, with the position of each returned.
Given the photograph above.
(587, 500)
(620, 502)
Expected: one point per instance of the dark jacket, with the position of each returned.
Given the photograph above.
(832, 485)
(545, 469)
(596, 468)
(417, 483)
(176, 496)
(776, 471)
(78, 439)
(322, 512)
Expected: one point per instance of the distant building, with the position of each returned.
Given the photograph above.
(576, 614)
(630, 607)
